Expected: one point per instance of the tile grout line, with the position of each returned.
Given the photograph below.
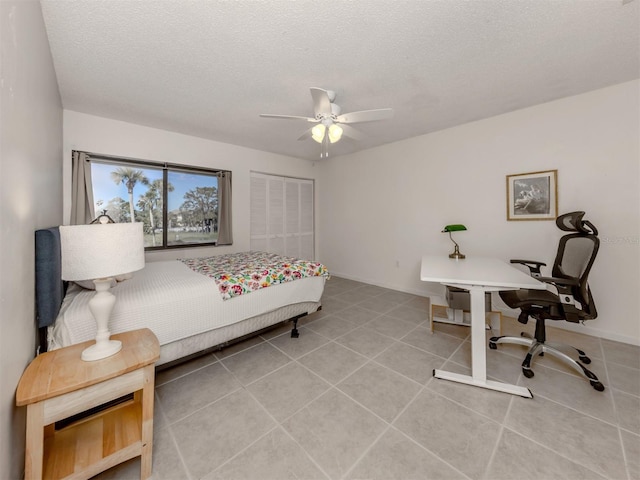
(366, 452)
(406, 407)
(179, 452)
(402, 412)
(277, 423)
(168, 428)
(615, 411)
(335, 387)
(498, 440)
(215, 360)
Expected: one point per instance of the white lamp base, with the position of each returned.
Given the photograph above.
(101, 350)
(101, 305)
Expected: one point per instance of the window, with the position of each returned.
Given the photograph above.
(185, 200)
(282, 215)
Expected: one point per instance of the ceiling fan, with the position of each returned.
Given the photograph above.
(331, 125)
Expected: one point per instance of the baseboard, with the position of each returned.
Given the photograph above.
(585, 329)
(420, 293)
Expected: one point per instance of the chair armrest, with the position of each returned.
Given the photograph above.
(563, 286)
(560, 282)
(564, 290)
(532, 265)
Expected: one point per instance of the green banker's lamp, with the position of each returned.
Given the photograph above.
(454, 228)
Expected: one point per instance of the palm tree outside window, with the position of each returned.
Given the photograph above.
(129, 177)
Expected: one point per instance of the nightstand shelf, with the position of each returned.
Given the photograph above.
(58, 385)
(107, 439)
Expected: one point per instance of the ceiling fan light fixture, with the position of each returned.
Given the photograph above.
(317, 132)
(329, 123)
(335, 133)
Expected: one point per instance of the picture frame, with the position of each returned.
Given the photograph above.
(532, 196)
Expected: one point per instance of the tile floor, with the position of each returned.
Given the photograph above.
(354, 398)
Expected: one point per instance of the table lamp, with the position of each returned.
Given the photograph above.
(99, 252)
(454, 228)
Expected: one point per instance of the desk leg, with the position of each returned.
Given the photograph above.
(478, 376)
(478, 351)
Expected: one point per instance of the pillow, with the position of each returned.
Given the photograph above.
(89, 285)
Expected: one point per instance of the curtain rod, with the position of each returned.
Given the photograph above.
(163, 165)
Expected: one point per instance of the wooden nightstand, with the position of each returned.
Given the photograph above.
(58, 384)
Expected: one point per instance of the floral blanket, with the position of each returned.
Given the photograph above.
(241, 273)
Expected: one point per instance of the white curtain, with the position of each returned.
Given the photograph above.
(225, 233)
(82, 209)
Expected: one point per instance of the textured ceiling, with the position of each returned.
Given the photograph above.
(209, 68)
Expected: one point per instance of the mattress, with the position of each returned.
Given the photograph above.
(175, 303)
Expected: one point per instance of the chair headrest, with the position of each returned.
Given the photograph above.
(572, 222)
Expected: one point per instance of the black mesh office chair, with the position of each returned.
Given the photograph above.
(573, 302)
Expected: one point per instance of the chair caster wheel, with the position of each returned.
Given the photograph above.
(584, 359)
(493, 346)
(527, 372)
(598, 386)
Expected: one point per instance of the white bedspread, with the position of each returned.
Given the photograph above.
(175, 303)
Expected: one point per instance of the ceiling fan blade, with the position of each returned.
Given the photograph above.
(366, 116)
(305, 135)
(289, 117)
(321, 101)
(351, 132)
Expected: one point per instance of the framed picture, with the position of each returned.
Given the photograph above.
(532, 196)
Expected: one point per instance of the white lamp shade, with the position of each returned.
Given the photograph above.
(101, 250)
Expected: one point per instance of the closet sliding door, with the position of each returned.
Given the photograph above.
(282, 215)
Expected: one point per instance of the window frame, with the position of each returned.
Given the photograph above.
(166, 169)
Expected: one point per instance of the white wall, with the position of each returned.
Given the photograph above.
(380, 210)
(30, 198)
(111, 137)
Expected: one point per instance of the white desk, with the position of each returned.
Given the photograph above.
(477, 275)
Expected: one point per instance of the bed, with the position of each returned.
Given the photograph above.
(178, 300)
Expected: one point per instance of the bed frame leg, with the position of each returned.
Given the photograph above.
(294, 330)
